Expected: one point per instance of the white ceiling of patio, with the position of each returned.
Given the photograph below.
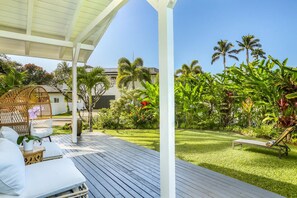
(51, 28)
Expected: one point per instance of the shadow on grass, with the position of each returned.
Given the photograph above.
(202, 147)
(273, 185)
(291, 157)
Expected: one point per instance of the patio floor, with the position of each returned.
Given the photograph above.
(116, 168)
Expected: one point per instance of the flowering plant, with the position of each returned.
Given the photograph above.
(34, 112)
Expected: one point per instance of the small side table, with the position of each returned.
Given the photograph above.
(34, 156)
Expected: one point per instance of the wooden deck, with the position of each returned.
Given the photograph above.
(116, 168)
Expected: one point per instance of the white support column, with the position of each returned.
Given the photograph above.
(167, 112)
(76, 50)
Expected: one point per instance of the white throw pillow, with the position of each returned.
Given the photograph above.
(12, 168)
(10, 134)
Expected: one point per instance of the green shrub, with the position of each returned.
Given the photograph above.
(143, 119)
(106, 120)
(264, 131)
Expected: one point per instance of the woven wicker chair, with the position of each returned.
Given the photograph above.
(15, 104)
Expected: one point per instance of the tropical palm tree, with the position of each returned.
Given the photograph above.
(62, 76)
(258, 52)
(224, 48)
(187, 70)
(131, 72)
(249, 42)
(91, 86)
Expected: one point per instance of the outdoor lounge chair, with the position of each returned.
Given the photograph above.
(54, 178)
(42, 128)
(278, 144)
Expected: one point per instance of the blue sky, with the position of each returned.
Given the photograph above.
(198, 25)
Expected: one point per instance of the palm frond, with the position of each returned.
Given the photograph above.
(235, 51)
(214, 59)
(216, 54)
(234, 57)
(138, 62)
(216, 48)
(124, 60)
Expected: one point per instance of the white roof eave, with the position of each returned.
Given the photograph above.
(42, 35)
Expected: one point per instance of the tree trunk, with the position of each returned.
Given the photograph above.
(90, 116)
(224, 60)
(133, 84)
(67, 102)
(247, 56)
(250, 119)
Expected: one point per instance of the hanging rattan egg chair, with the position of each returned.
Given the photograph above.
(16, 104)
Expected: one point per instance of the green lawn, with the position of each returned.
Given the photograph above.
(58, 130)
(212, 150)
(63, 115)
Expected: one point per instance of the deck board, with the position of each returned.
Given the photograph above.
(117, 168)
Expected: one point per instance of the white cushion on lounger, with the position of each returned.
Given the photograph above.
(12, 168)
(42, 132)
(52, 150)
(50, 177)
(10, 134)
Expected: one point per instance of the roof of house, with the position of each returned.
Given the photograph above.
(50, 89)
(110, 71)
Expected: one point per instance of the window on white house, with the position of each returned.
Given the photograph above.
(56, 100)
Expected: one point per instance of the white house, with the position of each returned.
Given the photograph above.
(58, 102)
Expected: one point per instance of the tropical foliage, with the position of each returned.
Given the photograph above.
(36, 75)
(131, 72)
(10, 77)
(61, 78)
(189, 70)
(92, 83)
(91, 86)
(257, 99)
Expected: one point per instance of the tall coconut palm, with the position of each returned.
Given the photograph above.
(248, 43)
(258, 52)
(187, 70)
(131, 72)
(91, 86)
(224, 48)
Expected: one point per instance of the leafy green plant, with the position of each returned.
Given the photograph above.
(27, 138)
(247, 107)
